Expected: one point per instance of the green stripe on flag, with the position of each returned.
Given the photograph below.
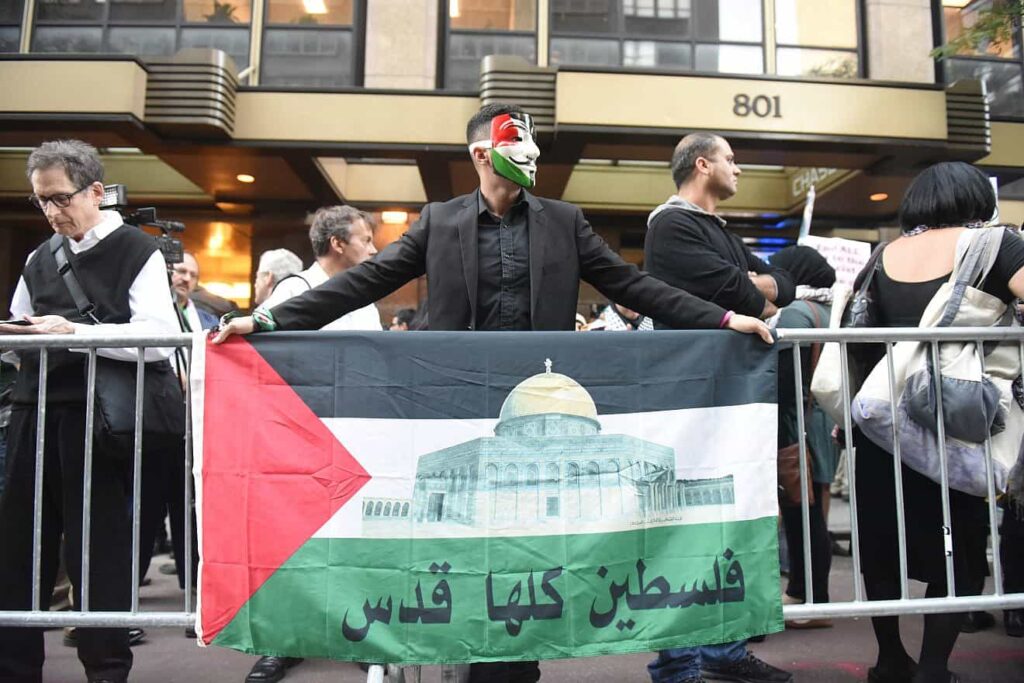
(300, 610)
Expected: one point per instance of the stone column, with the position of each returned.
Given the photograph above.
(401, 44)
(899, 40)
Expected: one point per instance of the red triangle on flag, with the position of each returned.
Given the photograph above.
(272, 475)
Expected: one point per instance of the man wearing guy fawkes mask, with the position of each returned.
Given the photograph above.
(498, 258)
(513, 150)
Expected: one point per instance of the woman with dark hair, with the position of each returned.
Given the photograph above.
(940, 204)
(814, 278)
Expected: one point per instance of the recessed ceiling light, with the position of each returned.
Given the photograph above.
(879, 197)
(245, 178)
(394, 217)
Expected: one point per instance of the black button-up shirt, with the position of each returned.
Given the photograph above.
(503, 279)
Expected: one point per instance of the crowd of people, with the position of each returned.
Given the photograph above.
(499, 258)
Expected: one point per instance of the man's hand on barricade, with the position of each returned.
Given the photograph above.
(43, 324)
(749, 325)
(240, 325)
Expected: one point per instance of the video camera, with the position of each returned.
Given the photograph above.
(115, 197)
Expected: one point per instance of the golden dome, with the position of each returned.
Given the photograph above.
(548, 392)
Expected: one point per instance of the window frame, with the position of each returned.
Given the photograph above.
(358, 30)
(445, 31)
(620, 37)
(104, 23)
(941, 65)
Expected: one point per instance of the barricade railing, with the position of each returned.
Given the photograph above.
(790, 341)
(83, 615)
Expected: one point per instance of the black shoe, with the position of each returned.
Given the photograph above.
(190, 632)
(747, 670)
(135, 636)
(977, 621)
(1013, 622)
(270, 669)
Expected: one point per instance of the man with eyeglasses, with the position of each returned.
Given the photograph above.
(124, 276)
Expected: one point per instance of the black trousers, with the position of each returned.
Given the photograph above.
(163, 494)
(504, 672)
(821, 548)
(1012, 539)
(104, 652)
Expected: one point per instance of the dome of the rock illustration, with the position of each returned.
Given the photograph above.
(548, 404)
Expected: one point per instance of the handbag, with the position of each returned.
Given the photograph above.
(977, 404)
(163, 406)
(848, 310)
(788, 462)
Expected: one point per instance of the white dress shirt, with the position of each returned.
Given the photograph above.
(149, 298)
(365, 318)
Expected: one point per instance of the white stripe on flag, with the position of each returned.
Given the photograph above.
(709, 443)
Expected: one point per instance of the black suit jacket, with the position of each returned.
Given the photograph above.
(443, 244)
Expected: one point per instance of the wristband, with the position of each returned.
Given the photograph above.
(263, 320)
(725, 319)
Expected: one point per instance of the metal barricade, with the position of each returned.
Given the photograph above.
(790, 341)
(84, 616)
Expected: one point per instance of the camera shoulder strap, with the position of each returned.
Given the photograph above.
(59, 248)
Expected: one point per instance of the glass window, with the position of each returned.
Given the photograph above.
(999, 66)
(147, 28)
(647, 53)
(145, 42)
(310, 12)
(795, 61)
(10, 38)
(673, 35)
(234, 41)
(465, 50)
(817, 23)
(585, 51)
(10, 35)
(1003, 83)
(732, 59)
(67, 39)
(956, 19)
(729, 20)
(70, 10)
(218, 11)
(294, 57)
(147, 10)
(492, 15)
(583, 16)
(10, 11)
(658, 17)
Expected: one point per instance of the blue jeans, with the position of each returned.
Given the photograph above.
(678, 664)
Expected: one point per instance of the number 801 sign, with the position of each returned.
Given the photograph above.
(761, 106)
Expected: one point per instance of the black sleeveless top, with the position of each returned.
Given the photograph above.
(901, 304)
(106, 272)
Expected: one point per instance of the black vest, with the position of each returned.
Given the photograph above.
(106, 272)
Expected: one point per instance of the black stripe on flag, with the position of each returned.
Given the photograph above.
(462, 375)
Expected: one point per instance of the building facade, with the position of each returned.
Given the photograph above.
(241, 117)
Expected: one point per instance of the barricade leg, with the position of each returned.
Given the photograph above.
(104, 652)
(21, 649)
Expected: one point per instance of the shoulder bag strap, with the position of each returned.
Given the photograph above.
(815, 353)
(59, 248)
(289, 277)
(970, 270)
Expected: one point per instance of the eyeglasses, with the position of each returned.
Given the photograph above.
(61, 200)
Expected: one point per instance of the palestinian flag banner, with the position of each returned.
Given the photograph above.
(449, 497)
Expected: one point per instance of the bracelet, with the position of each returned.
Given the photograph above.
(725, 319)
(263, 320)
